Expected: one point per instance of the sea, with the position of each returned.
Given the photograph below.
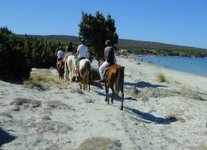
(193, 65)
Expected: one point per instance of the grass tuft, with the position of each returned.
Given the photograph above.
(161, 77)
(99, 143)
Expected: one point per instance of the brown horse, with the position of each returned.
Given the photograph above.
(60, 68)
(114, 79)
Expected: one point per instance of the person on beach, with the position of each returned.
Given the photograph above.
(109, 57)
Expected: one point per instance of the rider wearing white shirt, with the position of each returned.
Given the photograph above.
(82, 52)
(60, 54)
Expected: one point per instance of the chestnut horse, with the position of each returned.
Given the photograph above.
(60, 68)
(114, 79)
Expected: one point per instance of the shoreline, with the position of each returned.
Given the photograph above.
(187, 71)
(178, 75)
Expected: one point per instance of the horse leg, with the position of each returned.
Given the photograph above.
(80, 83)
(107, 93)
(113, 94)
(66, 71)
(80, 86)
(84, 84)
(89, 79)
(122, 96)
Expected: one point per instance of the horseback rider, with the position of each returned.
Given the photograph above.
(109, 56)
(82, 52)
(70, 49)
(60, 54)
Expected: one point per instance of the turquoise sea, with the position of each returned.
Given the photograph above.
(187, 64)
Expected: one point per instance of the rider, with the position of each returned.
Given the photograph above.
(82, 52)
(109, 56)
(60, 54)
(70, 48)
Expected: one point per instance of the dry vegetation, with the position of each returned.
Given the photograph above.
(44, 81)
(99, 143)
(161, 77)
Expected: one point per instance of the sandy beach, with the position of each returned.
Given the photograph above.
(167, 115)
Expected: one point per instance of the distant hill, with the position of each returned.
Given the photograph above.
(137, 47)
(56, 38)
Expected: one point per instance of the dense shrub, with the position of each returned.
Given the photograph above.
(13, 61)
(19, 54)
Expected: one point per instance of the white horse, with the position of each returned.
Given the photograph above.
(70, 67)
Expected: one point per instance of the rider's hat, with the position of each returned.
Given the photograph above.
(108, 43)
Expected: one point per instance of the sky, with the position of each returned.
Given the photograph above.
(179, 22)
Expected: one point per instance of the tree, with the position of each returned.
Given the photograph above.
(96, 30)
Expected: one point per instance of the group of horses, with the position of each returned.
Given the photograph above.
(67, 67)
(113, 76)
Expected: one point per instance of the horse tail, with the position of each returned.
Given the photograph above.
(119, 80)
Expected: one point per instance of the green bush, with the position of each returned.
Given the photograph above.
(13, 61)
(18, 54)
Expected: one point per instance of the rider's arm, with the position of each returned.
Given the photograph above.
(106, 53)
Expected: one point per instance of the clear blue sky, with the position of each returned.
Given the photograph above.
(181, 22)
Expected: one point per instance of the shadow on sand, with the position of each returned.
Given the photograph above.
(148, 117)
(5, 137)
(143, 85)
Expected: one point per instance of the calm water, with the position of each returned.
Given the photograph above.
(187, 64)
